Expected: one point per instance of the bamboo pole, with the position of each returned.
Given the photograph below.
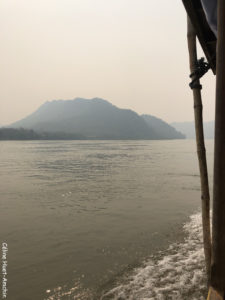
(218, 232)
(214, 295)
(205, 198)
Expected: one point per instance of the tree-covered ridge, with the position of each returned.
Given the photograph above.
(30, 134)
(17, 134)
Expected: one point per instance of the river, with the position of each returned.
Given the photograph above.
(102, 219)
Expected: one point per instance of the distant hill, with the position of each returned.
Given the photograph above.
(95, 119)
(162, 128)
(188, 128)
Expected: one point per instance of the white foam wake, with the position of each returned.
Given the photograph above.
(176, 274)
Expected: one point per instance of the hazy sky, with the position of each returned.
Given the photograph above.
(132, 53)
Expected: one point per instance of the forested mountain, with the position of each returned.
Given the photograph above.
(95, 119)
(163, 129)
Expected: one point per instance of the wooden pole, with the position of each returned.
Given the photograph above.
(218, 232)
(191, 36)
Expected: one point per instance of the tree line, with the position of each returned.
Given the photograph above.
(30, 134)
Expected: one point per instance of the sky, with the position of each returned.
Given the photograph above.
(132, 53)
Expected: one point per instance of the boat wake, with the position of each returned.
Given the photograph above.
(174, 274)
(177, 273)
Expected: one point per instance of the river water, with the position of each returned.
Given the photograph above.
(102, 219)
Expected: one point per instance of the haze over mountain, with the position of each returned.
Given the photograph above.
(188, 128)
(96, 118)
(162, 128)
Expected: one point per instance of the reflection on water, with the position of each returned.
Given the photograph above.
(79, 214)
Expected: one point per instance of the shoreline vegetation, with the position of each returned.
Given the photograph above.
(7, 134)
(17, 134)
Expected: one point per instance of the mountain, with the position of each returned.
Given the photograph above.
(92, 118)
(188, 128)
(162, 128)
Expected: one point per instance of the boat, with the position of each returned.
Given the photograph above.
(213, 46)
(206, 37)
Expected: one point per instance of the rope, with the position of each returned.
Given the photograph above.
(201, 67)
